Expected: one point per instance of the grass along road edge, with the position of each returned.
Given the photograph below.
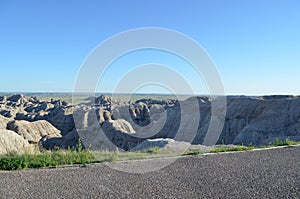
(80, 156)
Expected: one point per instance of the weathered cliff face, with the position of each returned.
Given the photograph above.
(248, 120)
(266, 120)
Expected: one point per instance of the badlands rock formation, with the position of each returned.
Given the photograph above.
(248, 120)
(3, 122)
(33, 131)
(107, 123)
(12, 142)
(70, 140)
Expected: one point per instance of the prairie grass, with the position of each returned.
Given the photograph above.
(40, 159)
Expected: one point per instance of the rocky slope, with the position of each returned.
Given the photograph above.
(109, 123)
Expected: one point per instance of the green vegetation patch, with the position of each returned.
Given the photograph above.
(14, 161)
(227, 149)
(286, 142)
(193, 152)
(45, 159)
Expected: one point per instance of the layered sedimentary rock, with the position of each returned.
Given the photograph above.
(248, 120)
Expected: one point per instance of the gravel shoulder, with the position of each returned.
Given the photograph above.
(273, 173)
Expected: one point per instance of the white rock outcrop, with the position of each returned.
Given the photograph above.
(12, 142)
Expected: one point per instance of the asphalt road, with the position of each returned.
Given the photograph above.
(257, 174)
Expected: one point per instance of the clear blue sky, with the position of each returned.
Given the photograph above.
(255, 44)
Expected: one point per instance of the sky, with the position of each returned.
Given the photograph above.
(255, 44)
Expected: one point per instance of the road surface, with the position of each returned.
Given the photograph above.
(271, 173)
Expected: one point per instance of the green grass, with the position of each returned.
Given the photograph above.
(14, 161)
(45, 159)
(156, 152)
(193, 152)
(219, 150)
(224, 148)
(227, 149)
(286, 142)
(37, 159)
(151, 150)
(278, 142)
